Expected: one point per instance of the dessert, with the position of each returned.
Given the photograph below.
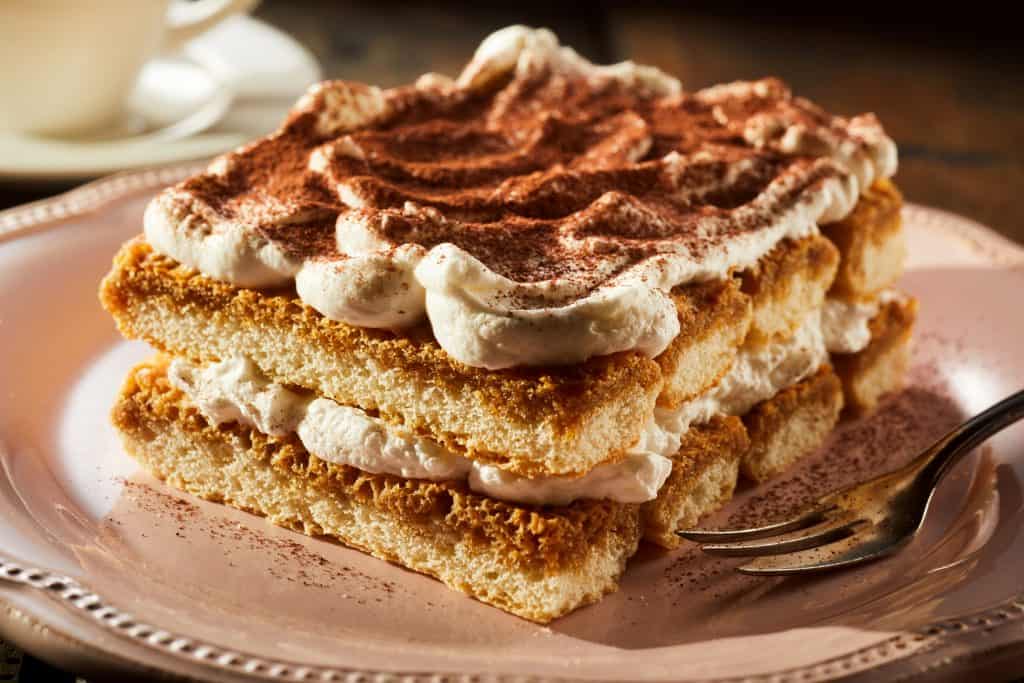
(497, 329)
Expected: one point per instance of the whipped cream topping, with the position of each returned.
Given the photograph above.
(235, 390)
(536, 210)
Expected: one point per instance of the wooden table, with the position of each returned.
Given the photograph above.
(951, 98)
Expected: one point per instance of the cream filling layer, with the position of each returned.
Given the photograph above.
(757, 374)
(236, 390)
(845, 324)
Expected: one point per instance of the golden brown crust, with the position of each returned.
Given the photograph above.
(714, 318)
(880, 368)
(722, 437)
(894, 319)
(523, 394)
(533, 537)
(791, 424)
(564, 401)
(703, 479)
(870, 243)
(788, 283)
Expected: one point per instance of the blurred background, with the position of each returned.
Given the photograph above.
(946, 84)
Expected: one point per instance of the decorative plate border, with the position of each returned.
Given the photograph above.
(78, 598)
(927, 643)
(20, 220)
(990, 245)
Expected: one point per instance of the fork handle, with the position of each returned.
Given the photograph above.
(950, 449)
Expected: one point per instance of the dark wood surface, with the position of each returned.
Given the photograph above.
(949, 92)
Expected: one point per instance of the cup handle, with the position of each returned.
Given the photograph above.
(189, 19)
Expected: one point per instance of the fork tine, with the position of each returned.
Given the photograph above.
(832, 529)
(863, 546)
(804, 519)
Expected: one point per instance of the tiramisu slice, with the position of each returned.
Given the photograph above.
(535, 561)
(498, 328)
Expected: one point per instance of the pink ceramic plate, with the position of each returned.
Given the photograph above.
(104, 569)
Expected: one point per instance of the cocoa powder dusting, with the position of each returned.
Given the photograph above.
(288, 560)
(544, 174)
(901, 426)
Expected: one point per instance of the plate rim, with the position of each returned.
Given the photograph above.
(934, 647)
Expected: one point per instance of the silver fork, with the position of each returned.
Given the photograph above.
(864, 522)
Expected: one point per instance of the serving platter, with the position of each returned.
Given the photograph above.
(107, 571)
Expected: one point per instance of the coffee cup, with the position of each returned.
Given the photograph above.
(67, 68)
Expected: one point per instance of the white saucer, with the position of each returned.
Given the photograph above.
(230, 85)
